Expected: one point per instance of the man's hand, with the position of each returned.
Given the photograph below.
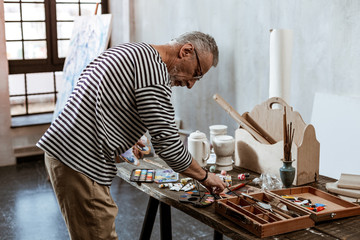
(137, 151)
(214, 184)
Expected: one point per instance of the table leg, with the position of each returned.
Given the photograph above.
(217, 235)
(165, 221)
(149, 218)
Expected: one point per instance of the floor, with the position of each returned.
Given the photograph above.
(28, 208)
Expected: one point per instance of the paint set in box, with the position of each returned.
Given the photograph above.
(154, 175)
(273, 212)
(142, 175)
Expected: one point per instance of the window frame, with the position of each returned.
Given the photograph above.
(53, 63)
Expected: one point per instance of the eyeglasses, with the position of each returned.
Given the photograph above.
(197, 78)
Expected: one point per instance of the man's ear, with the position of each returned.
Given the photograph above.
(186, 50)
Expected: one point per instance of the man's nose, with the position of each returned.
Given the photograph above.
(190, 84)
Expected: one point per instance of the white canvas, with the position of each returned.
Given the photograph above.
(90, 37)
(336, 120)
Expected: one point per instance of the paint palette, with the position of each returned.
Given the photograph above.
(142, 175)
(195, 199)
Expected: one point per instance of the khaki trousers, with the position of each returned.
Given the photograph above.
(87, 207)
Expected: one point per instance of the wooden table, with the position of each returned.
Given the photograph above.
(347, 228)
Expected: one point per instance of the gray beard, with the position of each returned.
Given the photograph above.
(173, 77)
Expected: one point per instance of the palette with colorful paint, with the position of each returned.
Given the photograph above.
(193, 197)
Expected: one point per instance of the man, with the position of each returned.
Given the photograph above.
(119, 96)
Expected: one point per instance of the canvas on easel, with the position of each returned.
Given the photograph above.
(90, 37)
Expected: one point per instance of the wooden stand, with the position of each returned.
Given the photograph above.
(266, 158)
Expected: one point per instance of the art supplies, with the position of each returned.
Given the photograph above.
(238, 189)
(334, 188)
(225, 178)
(151, 175)
(243, 176)
(175, 187)
(262, 137)
(188, 187)
(305, 148)
(349, 181)
(196, 199)
(166, 176)
(142, 175)
(185, 180)
(288, 132)
(129, 155)
(306, 203)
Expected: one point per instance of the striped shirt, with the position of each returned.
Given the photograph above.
(119, 96)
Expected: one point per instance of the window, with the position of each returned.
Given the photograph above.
(37, 35)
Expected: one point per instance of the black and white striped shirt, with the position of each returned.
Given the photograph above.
(121, 94)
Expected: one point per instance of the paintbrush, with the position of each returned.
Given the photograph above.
(238, 186)
(288, 135)
(280, 207)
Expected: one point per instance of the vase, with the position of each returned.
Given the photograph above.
(287, 173)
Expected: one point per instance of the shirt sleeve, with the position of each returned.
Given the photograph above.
(157, 113)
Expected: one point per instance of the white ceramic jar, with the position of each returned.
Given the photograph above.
(216, 130)
(224, 147)
(199, 147)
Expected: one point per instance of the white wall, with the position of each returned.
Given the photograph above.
(326, 50)
(6, 151)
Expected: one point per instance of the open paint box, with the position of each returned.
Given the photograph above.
(249, 213)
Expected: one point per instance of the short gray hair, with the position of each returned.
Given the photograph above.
(203, 43)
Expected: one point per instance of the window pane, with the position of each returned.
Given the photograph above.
(34, 30)
(16, 84)
(66, 11)
(63, 46)
(64, 29)
(14, 50)
(32, 0)
(41, 103)
(12, 11)
(35, 50)
(59, 80)
(17, 105)
(40, 82)
(13, 31)
(28, 10)
(89, 9)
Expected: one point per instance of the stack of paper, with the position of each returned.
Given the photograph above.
(348, 186)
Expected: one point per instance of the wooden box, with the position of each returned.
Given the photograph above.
(264, 223)
(335, 206)
(266, 158)
(260, 222)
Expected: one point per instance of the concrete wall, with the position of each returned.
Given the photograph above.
(326, 55)
(14, 142)
(25, 138)
(326, 50)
